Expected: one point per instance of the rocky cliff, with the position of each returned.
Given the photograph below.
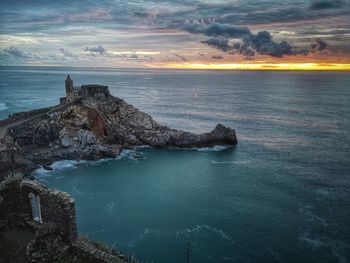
(96, 127)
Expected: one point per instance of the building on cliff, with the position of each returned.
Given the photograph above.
(76, 92)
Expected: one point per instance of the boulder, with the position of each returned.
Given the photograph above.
(67, 141)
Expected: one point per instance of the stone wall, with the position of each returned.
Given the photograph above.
(55, 234)
(57, 208)
(86, 252)
(28, 114)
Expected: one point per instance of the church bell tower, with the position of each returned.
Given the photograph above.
(69, 88)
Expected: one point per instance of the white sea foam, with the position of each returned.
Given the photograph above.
(143, 147)
(312, 218)
(124, 154)
(129, 154)
(215, 148)
(110, 207)
(230, 162)
(66, 164)
(41, 171)
(314, 241)
(198, 230)
(3, 106)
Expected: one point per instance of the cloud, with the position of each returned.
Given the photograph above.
(67, 53)
(320, 45)
(326, 4)
(224, 30)
(217, 57)
(96, 50)
(180, 57)
(141, 14)
(16, 53)
(260, 42)
(44, 27)
(218, 42)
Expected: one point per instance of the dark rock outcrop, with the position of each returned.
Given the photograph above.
(94, 128)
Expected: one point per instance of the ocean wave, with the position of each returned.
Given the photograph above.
(110, 207)
(66, 164)
(41, 172)
(3, 106)
(313, 242)
(143, 147)
(337, 248)
(130, 154)
(197, 230)
(311, 217)
(216, 148)
(230, 162)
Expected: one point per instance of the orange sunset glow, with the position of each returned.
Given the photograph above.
(262, 66)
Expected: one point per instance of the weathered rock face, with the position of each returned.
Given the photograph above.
(95, 128)
(38, 132)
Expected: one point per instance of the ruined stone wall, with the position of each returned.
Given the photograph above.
(55, 238)
(14, 209)
(57, 208)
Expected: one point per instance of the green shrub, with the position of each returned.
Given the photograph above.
(12, 177)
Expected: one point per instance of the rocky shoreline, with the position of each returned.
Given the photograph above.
(91, 128)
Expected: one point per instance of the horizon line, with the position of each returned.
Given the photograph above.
(218, 67)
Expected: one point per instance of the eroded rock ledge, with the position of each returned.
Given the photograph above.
(91, 128)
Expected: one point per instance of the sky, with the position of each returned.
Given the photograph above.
(217, 34)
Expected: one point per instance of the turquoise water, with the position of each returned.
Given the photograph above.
(281, 195)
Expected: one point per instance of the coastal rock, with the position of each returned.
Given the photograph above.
(93, 128)
(67, 141)
(86, 137)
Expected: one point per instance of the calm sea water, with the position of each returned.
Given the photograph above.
(281, 195)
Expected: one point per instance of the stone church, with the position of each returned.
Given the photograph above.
(76, 92)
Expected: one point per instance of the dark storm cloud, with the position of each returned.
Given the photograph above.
(154, 25)
(320, 45)
(96, 50)
(255, 12)
(327, 4)
(260, 42)
(218, 42)
(216, 30)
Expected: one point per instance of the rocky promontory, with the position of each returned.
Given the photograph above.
(91, 128)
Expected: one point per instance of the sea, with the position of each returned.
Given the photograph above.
(282, 194)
